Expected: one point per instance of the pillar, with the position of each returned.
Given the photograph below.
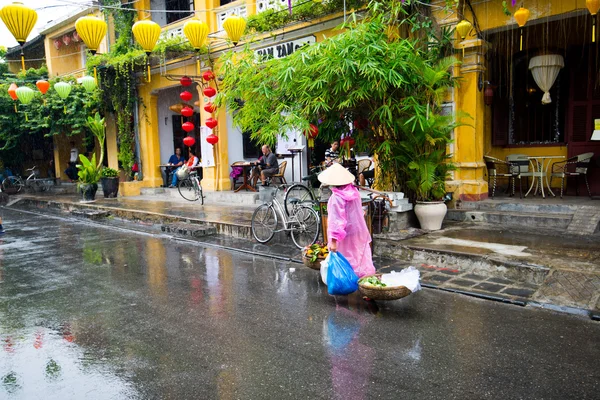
(112, 149)
(149, 141)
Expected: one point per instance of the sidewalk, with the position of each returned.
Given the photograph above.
(524, 267)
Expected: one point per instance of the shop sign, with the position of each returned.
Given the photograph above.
(284, 49)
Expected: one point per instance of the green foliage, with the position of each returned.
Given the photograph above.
(109, 173)
(88, 171)
(177, 44)
(98, 129)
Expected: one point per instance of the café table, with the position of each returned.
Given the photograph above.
(246, 168)
(541, 165)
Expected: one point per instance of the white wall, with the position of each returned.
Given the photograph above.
(235, 146)
(159, 18)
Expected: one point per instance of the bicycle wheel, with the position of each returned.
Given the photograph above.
(199, 191)
(299, 194)
(306, 231)
(264, 223)
(187, 190)
(12, 184)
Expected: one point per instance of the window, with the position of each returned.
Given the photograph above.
(179, 5)
(251, 149)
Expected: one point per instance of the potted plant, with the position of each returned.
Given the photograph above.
(425, 166)
(313, 255)
(109, 178)
(89, 175)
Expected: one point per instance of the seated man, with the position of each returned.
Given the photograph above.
(191, 163)
(333, 154)
(268, 165)
(175, 161)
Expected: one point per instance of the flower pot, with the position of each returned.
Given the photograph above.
(88, 191)
(110, 187)
(431, 214)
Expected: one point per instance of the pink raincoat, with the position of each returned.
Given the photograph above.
(346, 224)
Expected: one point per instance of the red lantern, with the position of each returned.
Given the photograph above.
(211, 123)
(209, 92)
(208, 76)
(43, 86)
(350, 141)
(210, 107)
(488, 95)
(212, 139)
(189, 141)
(185, 81)
(187, 111)
(188, 127)
(66, 40)
(12, 91)
(57, 44)
(311, 135)
(76, 37)
(185, 95)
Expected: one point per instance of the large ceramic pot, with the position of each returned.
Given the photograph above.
(431, 214)
(110, 187)
(89, 191)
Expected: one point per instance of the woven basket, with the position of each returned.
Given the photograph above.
(316, 265)
(383, 293)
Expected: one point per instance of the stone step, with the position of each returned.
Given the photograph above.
(189, 230)
(516, 206)
(554, 221)
(225, 197)
(586, 221)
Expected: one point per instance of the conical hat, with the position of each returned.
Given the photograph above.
(336, 175)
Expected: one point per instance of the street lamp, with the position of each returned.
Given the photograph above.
(20, 21)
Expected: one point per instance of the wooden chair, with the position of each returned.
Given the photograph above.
(364, 165)
(497, 168)
(281, 174)
(240, 179)
(575, 166)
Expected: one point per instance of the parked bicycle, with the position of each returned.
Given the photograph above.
(190, 188)
(14, 184)
(303, 193)
(303, 222)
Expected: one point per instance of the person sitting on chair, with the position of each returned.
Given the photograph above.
(333, 154)
(268, 165)
(191, 163)
(175, 161)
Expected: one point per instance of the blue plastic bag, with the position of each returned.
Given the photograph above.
(341, 279)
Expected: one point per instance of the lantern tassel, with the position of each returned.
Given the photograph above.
(521, 41)
(311, 143)
(16, 108)
(198, 66)
(149, 76)
(23, 61)
(96, 75)
(26, 117)
(594, 29)
(65, 109)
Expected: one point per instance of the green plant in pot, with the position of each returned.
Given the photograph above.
(109, 178)
(89, 170)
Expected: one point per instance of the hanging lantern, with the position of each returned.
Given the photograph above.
(186, 96)
(19, 20)
(463, 28)
(176, 108)
(521, 16)
(212, 139)
(12, 92)
(76, 37)
(66, 39)
(593, 6)
(63, 89)
(311, 135)
(187, 111)
(208, 76)
(42, 86)
(488, 95)
(146, 33)
(185, 81)
(91, 30)
(187, 126)
(25, 95)
(196, 32)
(211, 123)
(57, 44)
(189, 141)
(234, 26)
(209, 92)
(89, 83)
(210, 108)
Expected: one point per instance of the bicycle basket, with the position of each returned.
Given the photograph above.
(266, 193)
(183, 172)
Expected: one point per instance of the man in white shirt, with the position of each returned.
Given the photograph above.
(71, 170)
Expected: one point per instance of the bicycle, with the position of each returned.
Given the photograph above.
(303, 223)
(303, 193)
(14, 184)
(190, 188)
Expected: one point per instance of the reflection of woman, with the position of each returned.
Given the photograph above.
(347, 230)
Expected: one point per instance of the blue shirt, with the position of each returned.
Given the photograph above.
(176, 160)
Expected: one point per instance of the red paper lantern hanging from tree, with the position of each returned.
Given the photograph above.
(186, 96)
(212, 139)
(187, 126)
(311, 135)
(488, 95)
(12, 91)
(209, 92)
(42, 86)
(211, 123)
(210, 107)
(189, 141)
(208, 76)
(185, 81)
(187, 111)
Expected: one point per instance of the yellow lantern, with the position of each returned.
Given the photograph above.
(521, 16)
(593, 6)
(92, 30)
(463, 28)
(146, 33)
(234, 26)
(196, 32)
(20, 21)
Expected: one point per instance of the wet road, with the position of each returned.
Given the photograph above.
(95, 313)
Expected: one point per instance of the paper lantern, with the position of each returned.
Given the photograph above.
(42, 86)
(210, 107)
(311, 135)
(176, 108)
(89, 83)
(196, 32)
(208, 76)
(521, 16)
(12, 91)
(593, 6)
(185, 81)
(463, 28)
(66, 39)
(19, 20)
(209, 92)
(488, 95)
(187, 111)
(211, 123)
(186, 96)
(234, 27)
(92, 31)
(76, 37)
(212, 139)
(57, 44)
(187, 126)
(189, 141)
(63, 89)
(146, 33)
(25, 94)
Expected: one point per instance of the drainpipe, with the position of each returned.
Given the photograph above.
(136, 131)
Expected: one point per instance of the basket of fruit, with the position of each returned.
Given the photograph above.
(372, 287)
(313, 255)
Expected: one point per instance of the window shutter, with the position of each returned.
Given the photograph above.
(500, 109)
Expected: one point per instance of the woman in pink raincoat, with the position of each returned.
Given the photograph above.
(347, 230)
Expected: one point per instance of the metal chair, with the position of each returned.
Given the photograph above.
(497, 168)
(575, 166)
(520, 168)
(281, 174)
